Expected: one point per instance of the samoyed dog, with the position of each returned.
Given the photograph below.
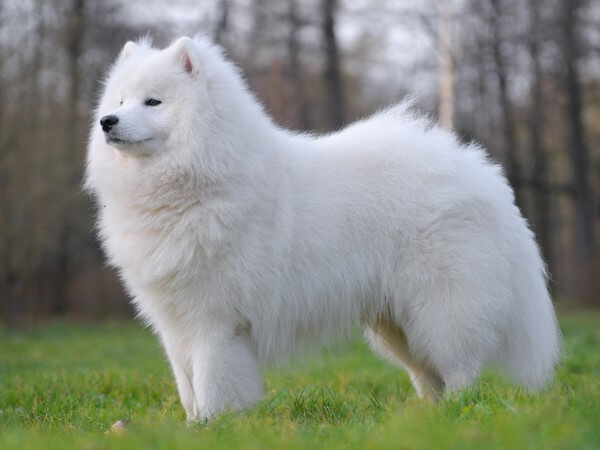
(240, 241)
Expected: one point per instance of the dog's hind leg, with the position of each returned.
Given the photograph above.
(388, 340)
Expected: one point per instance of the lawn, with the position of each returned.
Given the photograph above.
(63, 385)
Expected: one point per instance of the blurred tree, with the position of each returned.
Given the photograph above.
(571, 55)
(497, 18)
(45, 221)
(539, 178)
(333, 79)
(74, 37)
(223, 22)
(446, 57)
(295, 68)
(526, 87)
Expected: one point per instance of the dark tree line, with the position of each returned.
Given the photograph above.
(538, 52)
(520, 76)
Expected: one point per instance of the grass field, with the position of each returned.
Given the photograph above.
(63, 385)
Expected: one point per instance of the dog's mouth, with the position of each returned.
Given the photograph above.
(118, 141)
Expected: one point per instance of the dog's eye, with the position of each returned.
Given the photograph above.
(152, 102)
(121, 103)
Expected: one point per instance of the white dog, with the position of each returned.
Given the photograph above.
(239, 240)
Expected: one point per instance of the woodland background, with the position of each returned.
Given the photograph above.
(520, 76)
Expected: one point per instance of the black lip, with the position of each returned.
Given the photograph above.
(114, 140)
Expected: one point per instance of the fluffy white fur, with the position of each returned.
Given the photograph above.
(239, 240)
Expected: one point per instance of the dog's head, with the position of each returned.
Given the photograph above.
(152, 97)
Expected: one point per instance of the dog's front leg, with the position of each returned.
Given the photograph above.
(178, 352)
(226, 372)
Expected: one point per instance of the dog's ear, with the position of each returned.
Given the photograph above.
(128, 49)
(186, 54)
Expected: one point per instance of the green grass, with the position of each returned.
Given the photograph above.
(63, 385)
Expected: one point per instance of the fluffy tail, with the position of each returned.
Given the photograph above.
(534, 341)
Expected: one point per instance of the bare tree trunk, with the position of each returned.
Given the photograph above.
(510, 140)
(74, 49)
(259, 24)
(223, 22)
(446, 81)
(62, 269)
(543, 223)
(333, 80)
(72, 152)
(303, 115)
(4, 225)
(20, 224)
(2, 56)
(483, 118)
(38, 158)
(578, 151)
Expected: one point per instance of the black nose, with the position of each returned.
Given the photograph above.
(107, 122)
